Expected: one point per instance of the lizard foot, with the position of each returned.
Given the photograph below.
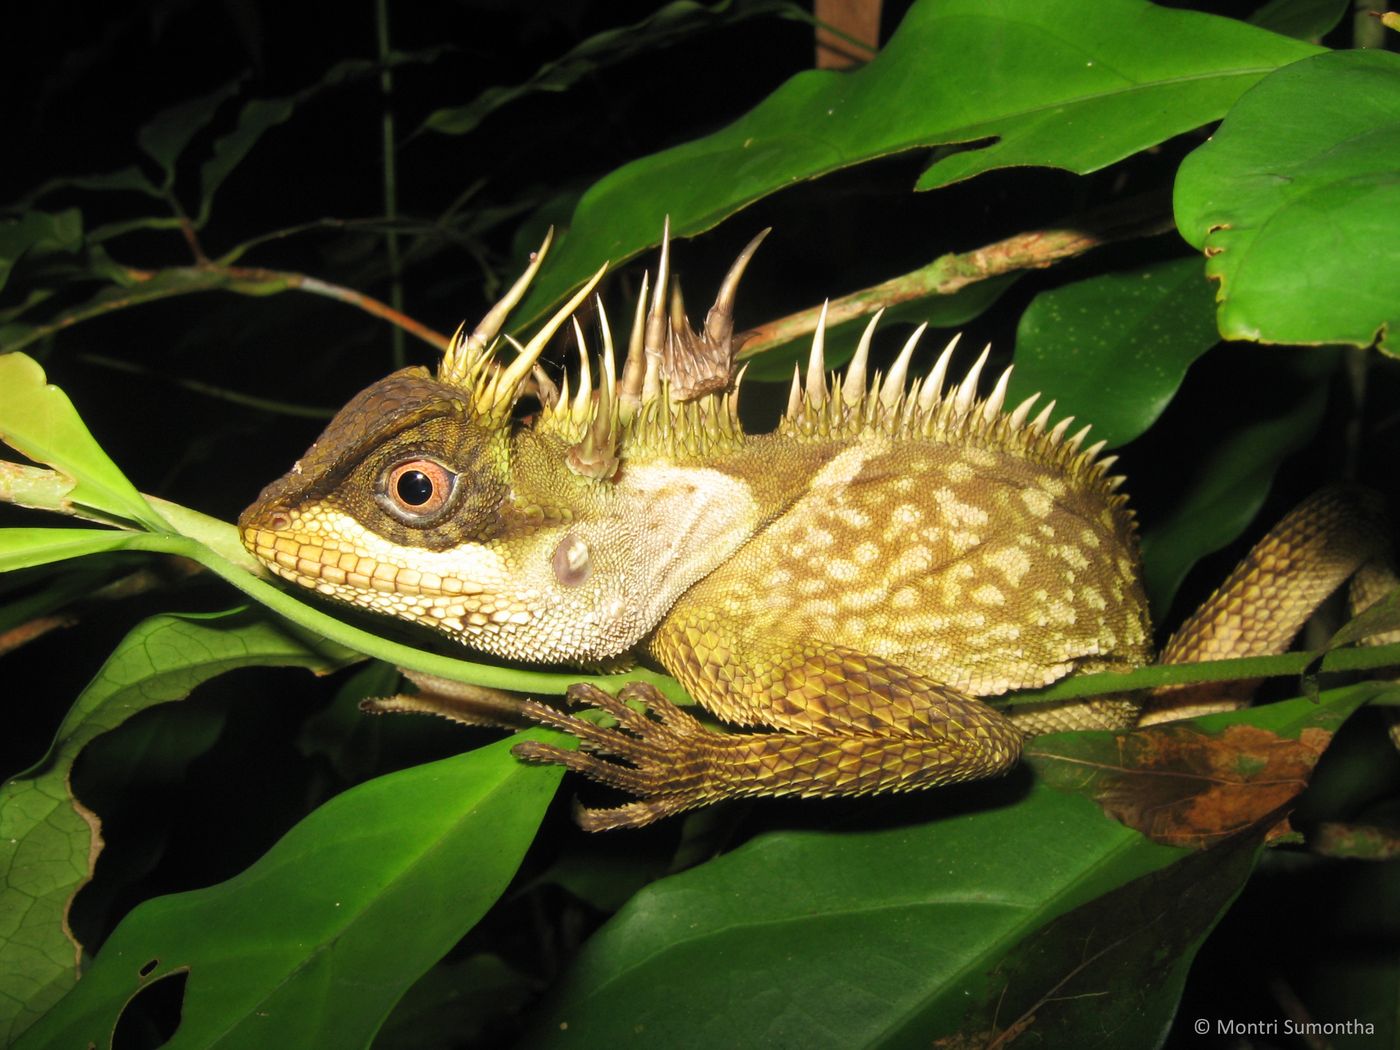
(664, 750)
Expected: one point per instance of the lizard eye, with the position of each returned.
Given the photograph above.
(417, 491)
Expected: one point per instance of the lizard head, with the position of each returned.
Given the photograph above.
(415, 501)
(426, 500)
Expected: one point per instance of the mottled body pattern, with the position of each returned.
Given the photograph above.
(847, 588)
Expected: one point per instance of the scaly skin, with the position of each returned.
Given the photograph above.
(855, 582)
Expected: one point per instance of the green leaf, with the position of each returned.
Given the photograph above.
(38, 420)
(26, 548)
(49, 841)
(257, 117)
(676, 22)
(39, 232)
(1111, 972)
(878, 938)
(1233, 480)
(129, 178)
(1299, 218)
(167, 134)
(931, 934)
(1113, 350)
(1035, 80)
(1304, 19)
(453, 1002)
(1382, 617)
(315, 943)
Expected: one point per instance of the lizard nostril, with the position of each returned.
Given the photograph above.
(279, 521)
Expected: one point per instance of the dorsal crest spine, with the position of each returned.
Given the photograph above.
(676, 395)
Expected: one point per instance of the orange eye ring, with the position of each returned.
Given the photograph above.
(419, 488)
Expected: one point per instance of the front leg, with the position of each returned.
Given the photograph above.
(849, 724)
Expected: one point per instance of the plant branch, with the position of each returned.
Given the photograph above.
(152, 285)
(1033, 250)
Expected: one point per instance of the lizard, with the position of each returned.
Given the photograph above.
(848, 590)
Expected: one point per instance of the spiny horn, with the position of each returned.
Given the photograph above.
(1039, 423)
(609, 354)
(794, 405)
(604, 424)
(719, 322)
(584, 397)
(1022, 411)
(967, 390)
(1077, 440)
(933, 385)
(997, 398)
(893, 389)
(548, 392)
(1058, 433)
(816, 363)
(496, 316)
(511, 377)
(655, 340)
(853, 389)
(635, 367)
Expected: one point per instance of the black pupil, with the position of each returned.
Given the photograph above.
(415, 488)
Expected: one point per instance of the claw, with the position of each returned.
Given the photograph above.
(649, 745)
(667, 713)
(591, 737)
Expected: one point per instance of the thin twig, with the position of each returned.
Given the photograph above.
(182, 280)
(1034, 250)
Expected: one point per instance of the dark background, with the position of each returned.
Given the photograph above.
(80, 79)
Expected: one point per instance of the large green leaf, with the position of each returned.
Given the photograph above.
(1296, 202)
(1305, 19)
(1033, 81)
(314, 944)
(903, 937)
(49, 841)
(1112, 350)
(883, 938)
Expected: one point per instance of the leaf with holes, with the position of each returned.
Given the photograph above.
(292, 952)
(49, 841)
